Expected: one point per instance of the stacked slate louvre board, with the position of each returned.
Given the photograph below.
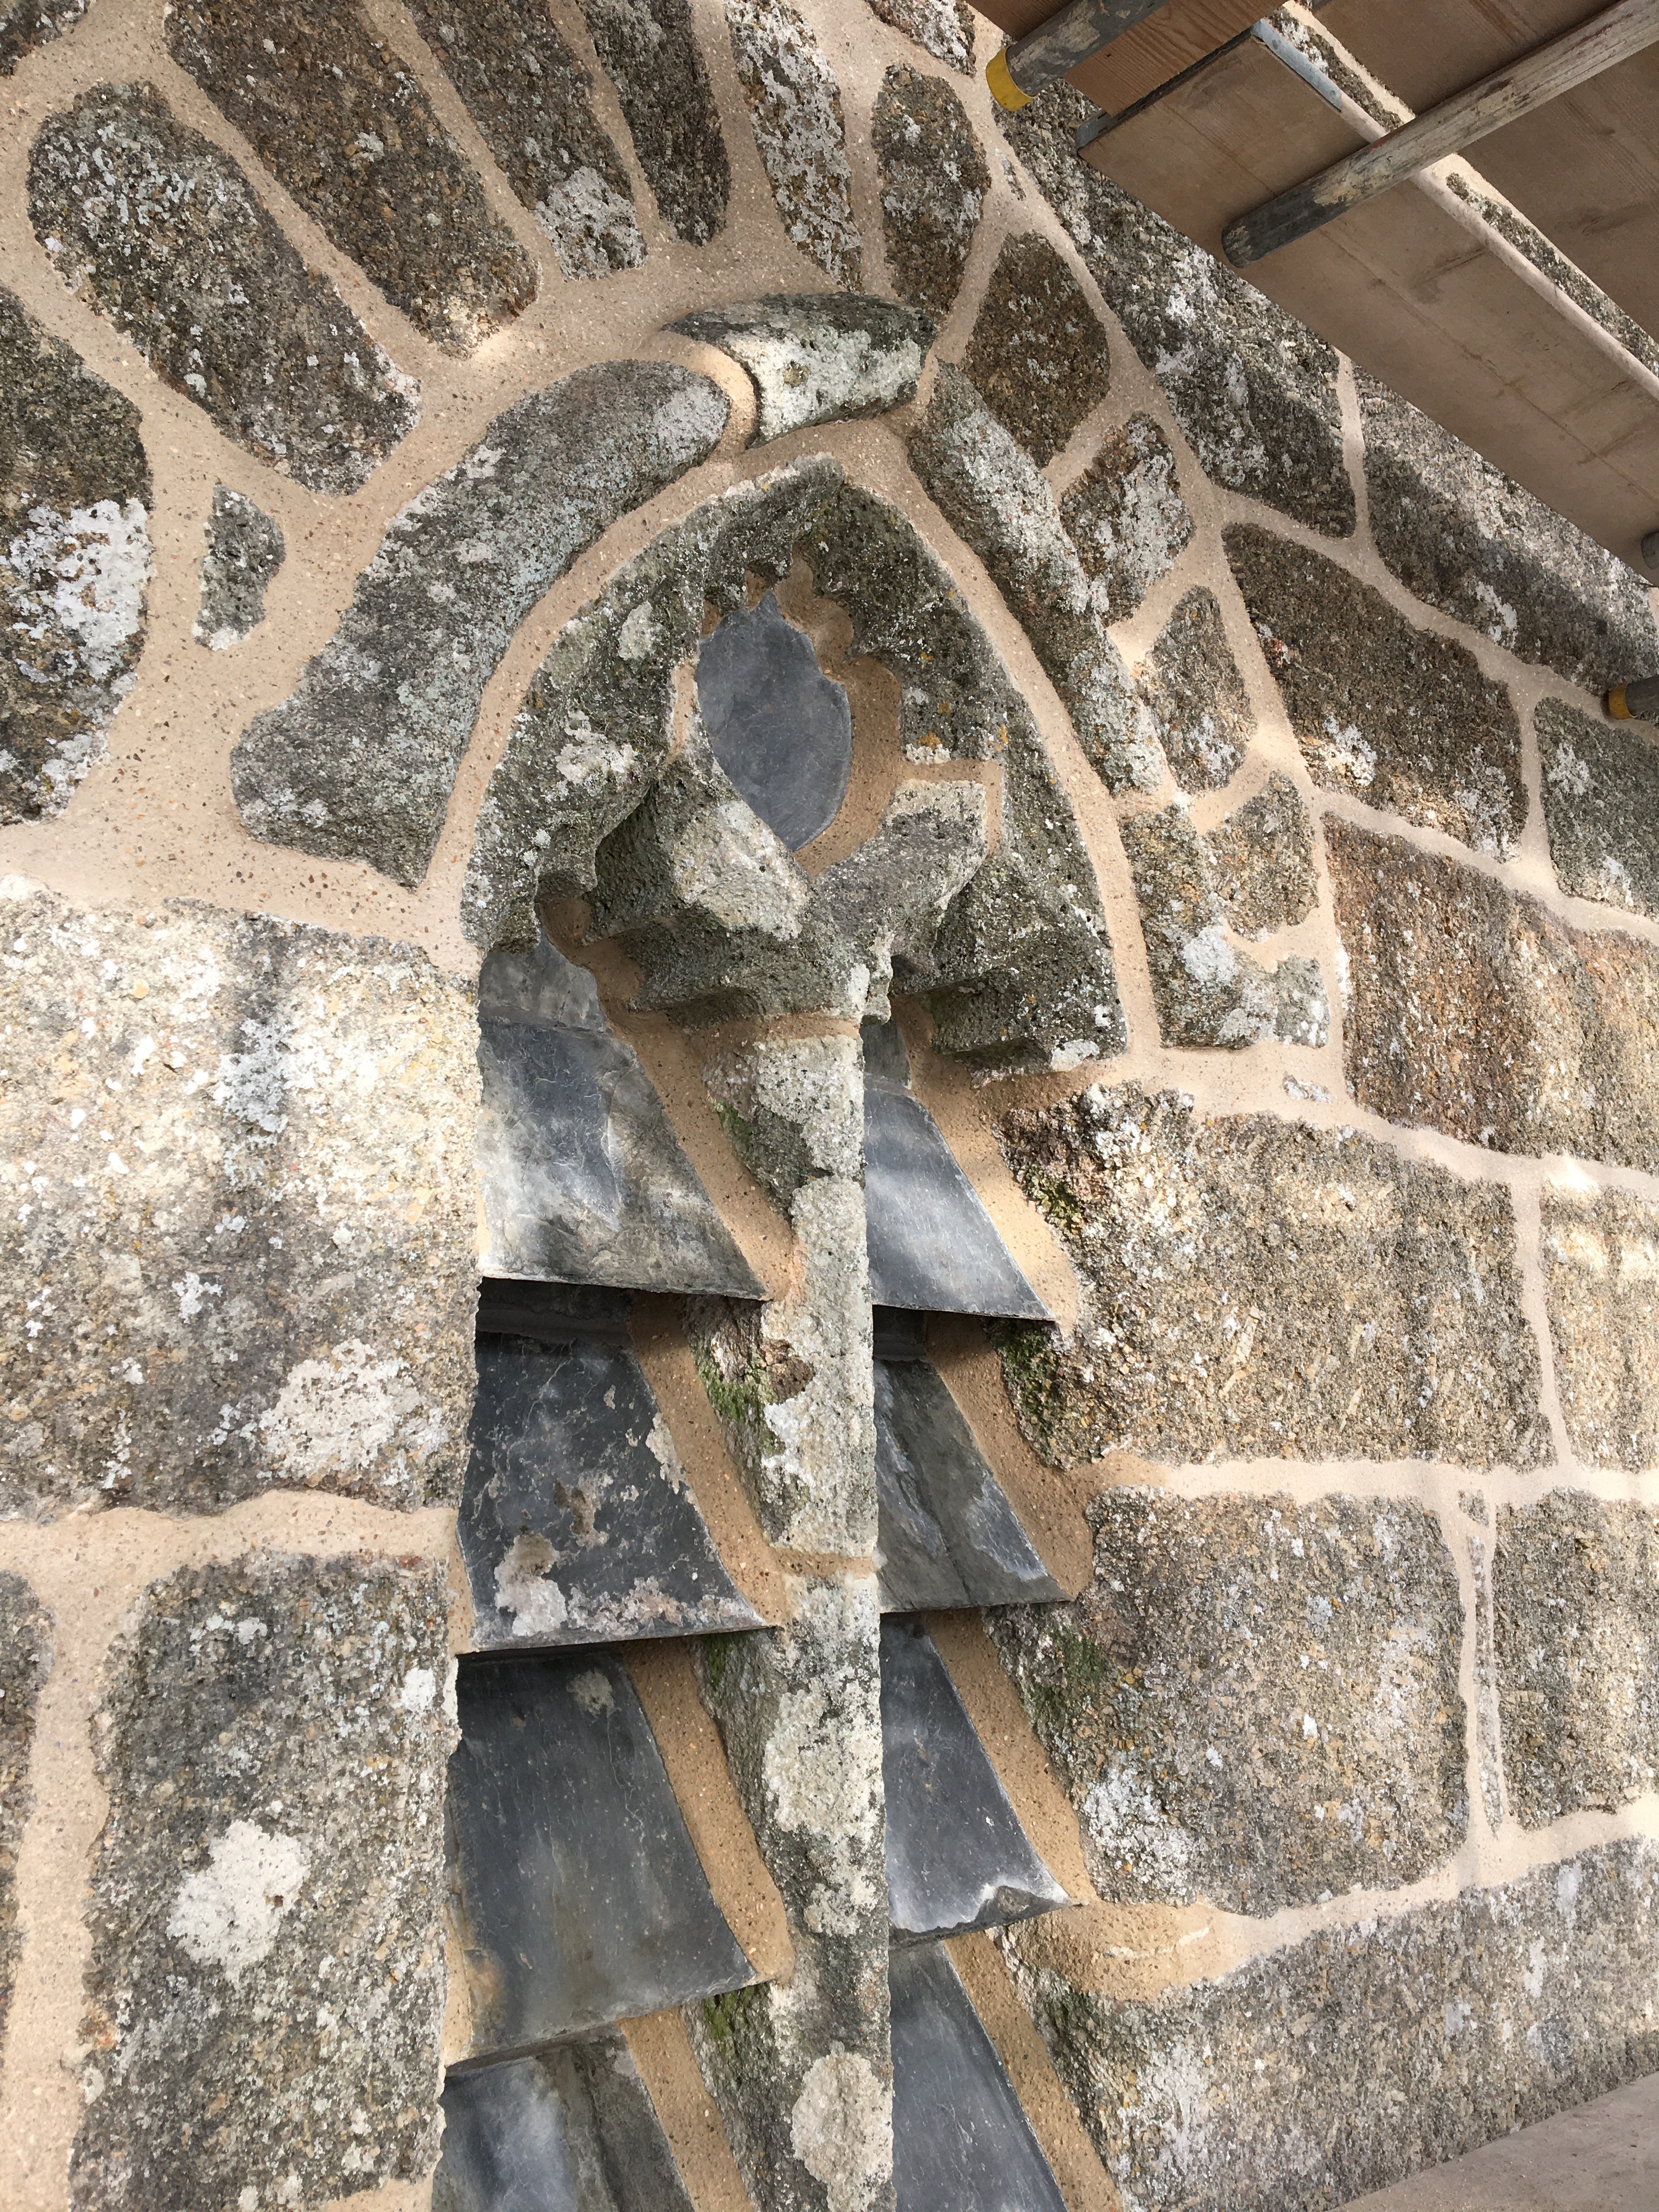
(579, 1898)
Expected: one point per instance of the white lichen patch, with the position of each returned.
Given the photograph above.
(592, 226)
(229, 1915)
(841, 2129)
(341, 1415)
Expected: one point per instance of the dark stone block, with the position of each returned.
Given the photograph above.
(800, 133)
(576, 1524)
(957, 1857)
(584, 1180)
(245, 550)
(341, 122)
(933, 183)
(176, 249)
(651, 52)
(1037, 356)
(358, 763)
(578, 1895)
(778, 725)
(949, 1536)
(74, 492)
(1125, 515)
(1261, 861)
(569, 2130)
(932, 1244)
(944, 28)
(529, 96)
(25, 24)
(1599, 1250)
(1600, 790)
(26, 1655)
(1198, 704)
(960, 2138)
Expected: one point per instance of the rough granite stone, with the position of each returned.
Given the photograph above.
(1019, 971)
(152, 225)
(340, 121)
(359, 761)
(1126, 514)
(25, 24)
(652, 56)
(1601, 790)
(1206, 992)
(933, 183)
(1600, 1251)
(26, 1657)
(1316, 2073)
(794, 109)
(1037, 356)
(1253, 391)
(1488, 1752)
(238, 1159)
(1261, 861)
(529, 97)
(1467, 540)
(244, 549)
(1472, 1008)
(944, 28)
(991, 491)
(1401, 717)
(1253, 1702)
(1254, 1287)
(802, 2068)
(267, 1898)
(74, 562)
(816, 357)
(1196, 696)
(1575, 1596)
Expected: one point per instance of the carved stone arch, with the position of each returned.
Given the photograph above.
(997, 923)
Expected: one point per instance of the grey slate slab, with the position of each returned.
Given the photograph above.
(578, 1897)
(961, 2143)
(584, 1180)
(933, 1246)
(957, 1857)
(576, 1524)
(948, 1534)
(569, 2130)
(778, 725)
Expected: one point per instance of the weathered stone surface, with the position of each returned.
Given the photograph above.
(1253, 1702)
(933, 183)
(1395, 714)
(529, 96)
(944, 28)
(1126, 514)
(244, 549)
(1600, 789)
(1038, 355)
(1254, 1287)
(1488, 1753)
(794, 108)
(1318, 2073)
(1469, 540)
(1206, 992)
(75, 560)
(651, 53)
(577, 1897)
(1261, 861)
(358, 763)
(338, 117)
(814, 357)
(1601, 1255)
(1474, 1010)
(1253, 391)
(1196, 696)
(1576, 1596)
(803, 2069)
(991, 491)
(267, 1899)
(156, 228)
(25, 24)
(238, 1155)
(26, 1655)
(1018, 973)
(791, 1381)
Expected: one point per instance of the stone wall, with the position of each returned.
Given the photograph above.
(391, 398)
